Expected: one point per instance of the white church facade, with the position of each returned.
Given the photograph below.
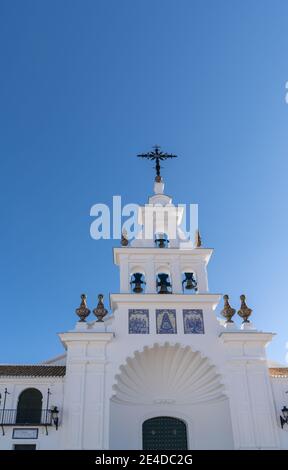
(160, 371)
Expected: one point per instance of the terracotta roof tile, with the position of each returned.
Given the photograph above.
(278, 371)
(32, 371)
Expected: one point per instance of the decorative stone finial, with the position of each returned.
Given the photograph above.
(100, 311)
(198, 241)
(82, 311)
(124, 238)
(158, 185)
(227, 311)
(244, 311)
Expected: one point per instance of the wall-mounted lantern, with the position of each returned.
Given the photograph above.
(55, 416)
(284, 417)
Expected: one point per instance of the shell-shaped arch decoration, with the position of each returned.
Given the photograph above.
(168, 374)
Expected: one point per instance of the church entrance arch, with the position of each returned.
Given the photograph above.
(169, 397)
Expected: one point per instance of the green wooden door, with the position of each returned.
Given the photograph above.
(164, 433)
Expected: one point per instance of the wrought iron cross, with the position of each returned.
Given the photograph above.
(157, 155)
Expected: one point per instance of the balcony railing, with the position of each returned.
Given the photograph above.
(22, 417)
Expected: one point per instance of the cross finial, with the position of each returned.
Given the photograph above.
(157, 148)
(157, 155)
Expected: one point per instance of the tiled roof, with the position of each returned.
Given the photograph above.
(32, 371)
(278, 371)
(59, 371)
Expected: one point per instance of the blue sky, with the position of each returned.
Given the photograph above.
(85, 86)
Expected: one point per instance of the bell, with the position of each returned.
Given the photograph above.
(189, 282)
(164, 284)
(162, 241)
(137, 282)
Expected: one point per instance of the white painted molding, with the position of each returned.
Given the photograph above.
(246, 336)
(86, 336)
(193, 300)
(201, 254)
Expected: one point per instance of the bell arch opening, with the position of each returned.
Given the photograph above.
(189, 282)
(137, 282)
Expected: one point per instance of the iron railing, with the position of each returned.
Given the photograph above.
(22, 417)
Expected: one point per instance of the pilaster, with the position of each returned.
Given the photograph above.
(251, 401)
(84, 395)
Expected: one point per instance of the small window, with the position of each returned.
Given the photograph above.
(24, 446)
(29, 409)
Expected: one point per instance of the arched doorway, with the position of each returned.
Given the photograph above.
(170, 380)
(164, 433)
(29, 408)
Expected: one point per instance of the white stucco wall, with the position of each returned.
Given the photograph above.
(208, 426)
(15, 386)
(280, 393)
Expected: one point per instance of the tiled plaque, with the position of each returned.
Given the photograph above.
(25, 433)
(193, 321)
(138, 321)
(166, 321)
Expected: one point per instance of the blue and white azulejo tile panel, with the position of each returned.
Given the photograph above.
(139, 321)
(193, 321)
(166, 321)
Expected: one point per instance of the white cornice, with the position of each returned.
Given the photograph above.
(183, 299)
(71, 336)
(246, 336)
(203, 254)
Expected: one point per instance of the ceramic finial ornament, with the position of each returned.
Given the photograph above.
(100, 311)
(124, 238)
(244, 311)
(83, 311)
(198, 241)
(228, 312)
